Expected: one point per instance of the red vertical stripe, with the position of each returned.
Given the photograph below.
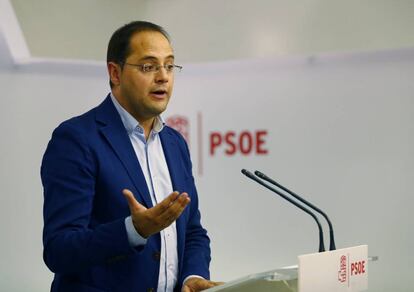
(200, 143)
(348, 268)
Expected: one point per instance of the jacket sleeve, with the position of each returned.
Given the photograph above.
(68, 174)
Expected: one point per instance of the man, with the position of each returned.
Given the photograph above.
(120, 204)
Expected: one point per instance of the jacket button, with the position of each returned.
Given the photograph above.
(156, 256)
(150, 290)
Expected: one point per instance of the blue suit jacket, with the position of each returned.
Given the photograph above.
(88, 161)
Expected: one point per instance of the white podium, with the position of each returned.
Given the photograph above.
(280, 280)
(340, 270)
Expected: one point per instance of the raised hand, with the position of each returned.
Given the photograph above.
(150, 221)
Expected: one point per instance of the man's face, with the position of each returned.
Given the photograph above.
(146, 94)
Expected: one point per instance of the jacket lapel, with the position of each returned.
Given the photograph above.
(114, 132)
(172, 154)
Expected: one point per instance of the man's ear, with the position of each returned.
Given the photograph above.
(114, 72)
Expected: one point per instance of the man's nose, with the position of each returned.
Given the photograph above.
(161, 75)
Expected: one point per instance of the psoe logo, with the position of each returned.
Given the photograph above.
(342, 269)
(223, 142)
(358, 268)
(181, 124)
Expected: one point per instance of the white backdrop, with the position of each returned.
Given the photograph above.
(340, 131)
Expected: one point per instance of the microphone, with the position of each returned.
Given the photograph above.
(331, 232)
(251, 176)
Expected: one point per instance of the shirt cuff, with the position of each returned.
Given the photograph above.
(134, 238)
(192, 276)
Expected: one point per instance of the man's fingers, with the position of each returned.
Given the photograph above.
(175, 209)
(198, 284)
(165, 205)
(206, 284)
(134, 205)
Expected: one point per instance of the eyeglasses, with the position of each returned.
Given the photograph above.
(152, 68)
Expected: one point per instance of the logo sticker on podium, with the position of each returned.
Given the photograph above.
(340, 270)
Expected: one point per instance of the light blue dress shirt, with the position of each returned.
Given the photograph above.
(151, 157)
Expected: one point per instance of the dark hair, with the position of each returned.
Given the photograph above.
(119, 44)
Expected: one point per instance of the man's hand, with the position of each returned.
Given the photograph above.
(153, 220)
(195, 284)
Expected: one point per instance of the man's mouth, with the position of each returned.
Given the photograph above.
(159, 93)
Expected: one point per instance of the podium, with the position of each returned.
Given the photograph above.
(279, 280)
(339, 270)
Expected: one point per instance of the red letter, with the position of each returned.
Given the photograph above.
(260, 141)
(229, 140)
(215, 140)
(352, 268)
(245, 150)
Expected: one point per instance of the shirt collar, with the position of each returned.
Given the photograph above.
(130, 123)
